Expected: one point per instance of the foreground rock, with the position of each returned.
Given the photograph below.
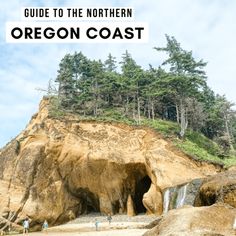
(58, 169)
(218, 188)
(196, 221)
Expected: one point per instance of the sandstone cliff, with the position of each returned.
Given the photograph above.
(58, 169)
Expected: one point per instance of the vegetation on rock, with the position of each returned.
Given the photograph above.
(174, 99)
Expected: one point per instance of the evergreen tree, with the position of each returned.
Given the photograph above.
(228, 115)
(152, 92)
(213, 122)
(110, 86)
(186, 78)
(110, 63)
(178, 92)
(132, 75)
(97, 75)
(66, 91)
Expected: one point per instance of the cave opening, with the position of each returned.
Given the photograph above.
(87, 208)
(142, 186)
(202, 200)
(89, 201)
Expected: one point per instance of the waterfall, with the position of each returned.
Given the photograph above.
(234, 225)
(166, 201)
(181, 196)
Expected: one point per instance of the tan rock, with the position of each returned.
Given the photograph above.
(152, 200)
(130, 206)
(219, 188)
(196, 221)
(57, 169)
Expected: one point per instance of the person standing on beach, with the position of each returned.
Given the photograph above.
(26, 226)
(45, 226)
(109, 218)
(96, 224)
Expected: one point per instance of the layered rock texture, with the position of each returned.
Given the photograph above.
(215, 220)
(218, 188)
(58, 169)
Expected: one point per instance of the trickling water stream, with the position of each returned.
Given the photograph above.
(166, 201)
(177, 196)
(234, 225)
(181, 195)
(174, 197)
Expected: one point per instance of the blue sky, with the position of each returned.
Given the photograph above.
(205, 27)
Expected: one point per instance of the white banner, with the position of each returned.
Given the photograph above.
(76, 32)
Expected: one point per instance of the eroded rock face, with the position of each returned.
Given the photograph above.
(58, 169)
(150, 200)
(218, 188)
(196, 221)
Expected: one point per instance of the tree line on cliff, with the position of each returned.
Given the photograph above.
(177, 91)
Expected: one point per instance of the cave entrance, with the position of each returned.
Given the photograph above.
(142, 186)
(88, 201)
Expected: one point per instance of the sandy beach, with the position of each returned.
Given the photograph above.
(124, 232)
(85, 226)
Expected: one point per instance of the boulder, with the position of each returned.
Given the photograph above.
(215, 220)
(218, 188)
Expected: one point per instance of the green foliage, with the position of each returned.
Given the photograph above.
(174, 91)
(55, 109)
(184, 81)
(195, 144)
(166, 128)
(181, 61)
(110, 63)
(116, 116)
(229, 161)
(203, 142)
(194, 150)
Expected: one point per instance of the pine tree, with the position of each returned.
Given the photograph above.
(66, 91)
(186, 78)
(110, 64)
(132, 75)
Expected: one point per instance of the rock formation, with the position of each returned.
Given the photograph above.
(218, 188)
(213, 220)
(58, 169)
(180, 195)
